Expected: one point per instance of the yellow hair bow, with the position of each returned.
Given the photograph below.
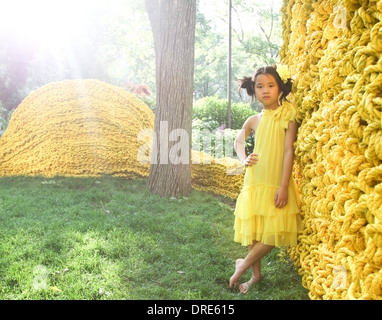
(283, 72)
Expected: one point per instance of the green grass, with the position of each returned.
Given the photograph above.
(110, 238)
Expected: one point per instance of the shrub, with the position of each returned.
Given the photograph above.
(213, 109)
(217, 143)
(210, 135)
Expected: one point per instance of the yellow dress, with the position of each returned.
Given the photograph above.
(256, 217)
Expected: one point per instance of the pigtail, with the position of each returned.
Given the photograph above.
(286, 89)
(248, 84)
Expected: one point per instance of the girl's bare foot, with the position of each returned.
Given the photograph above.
(244, 287)
(234, 281)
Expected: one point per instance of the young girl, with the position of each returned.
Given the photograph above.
(266, 213)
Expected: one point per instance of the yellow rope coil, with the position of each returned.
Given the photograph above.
(334, 49)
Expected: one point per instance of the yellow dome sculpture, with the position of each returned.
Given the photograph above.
(76, 128)
(88, 128)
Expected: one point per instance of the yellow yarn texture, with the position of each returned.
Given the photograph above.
(334, 50)
(224, 176)
(76, 128)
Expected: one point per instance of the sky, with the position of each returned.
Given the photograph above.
(46, 22)
(209, 9)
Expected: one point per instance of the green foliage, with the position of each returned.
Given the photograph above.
(210, 134)
(210, 60)
(217, 143)
(5, 117)
(213, 108)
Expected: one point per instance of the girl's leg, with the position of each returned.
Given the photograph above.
(256, 274)
(256, 267)
(258, 251)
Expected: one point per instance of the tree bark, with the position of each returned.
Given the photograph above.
(173, 25)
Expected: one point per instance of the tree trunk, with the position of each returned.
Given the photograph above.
(173, 25)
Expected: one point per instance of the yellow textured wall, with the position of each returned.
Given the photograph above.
(334, 50)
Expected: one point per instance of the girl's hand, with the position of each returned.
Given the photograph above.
(251, 160)
(281, 197)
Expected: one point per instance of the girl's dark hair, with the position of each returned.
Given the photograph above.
(248, 83)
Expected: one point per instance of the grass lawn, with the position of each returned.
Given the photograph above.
(110, 238)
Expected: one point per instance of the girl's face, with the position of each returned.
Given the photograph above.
(267, 91)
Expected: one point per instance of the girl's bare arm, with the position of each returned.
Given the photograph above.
(249, 126)
(281, 197)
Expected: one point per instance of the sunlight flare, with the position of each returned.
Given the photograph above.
(50, 24)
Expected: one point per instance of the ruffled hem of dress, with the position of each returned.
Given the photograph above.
(272, 231)
(257, 218)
